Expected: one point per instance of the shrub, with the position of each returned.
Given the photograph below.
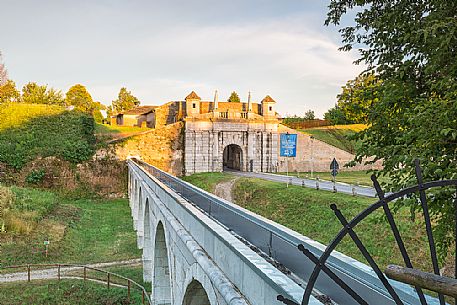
(35, 176)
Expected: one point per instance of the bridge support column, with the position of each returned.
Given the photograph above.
(147, 268)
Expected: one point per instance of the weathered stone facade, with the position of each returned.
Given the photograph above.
(241, 136)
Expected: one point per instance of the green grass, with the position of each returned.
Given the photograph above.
(355, 177)
(79, 231)
(28, 131)
(208, 181)
(110, 129)
(65, 292)
(337, 135)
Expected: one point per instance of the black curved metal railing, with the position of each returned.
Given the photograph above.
(348, 229)
(129, 284)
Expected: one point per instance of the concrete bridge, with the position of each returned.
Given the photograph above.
(199, 249)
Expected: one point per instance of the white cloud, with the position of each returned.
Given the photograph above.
(288, 57)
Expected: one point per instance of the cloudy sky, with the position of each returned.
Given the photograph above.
(163, 49)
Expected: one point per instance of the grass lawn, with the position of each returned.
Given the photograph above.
(65, 292)
(208, 181)
(308, 212)
(80, 231)
(337, 135)
(355, 177)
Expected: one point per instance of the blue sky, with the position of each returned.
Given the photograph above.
(161, 50)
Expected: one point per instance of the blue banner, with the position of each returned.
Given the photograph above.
(288, 145)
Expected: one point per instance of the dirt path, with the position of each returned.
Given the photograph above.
(224, 189)
(52, 273)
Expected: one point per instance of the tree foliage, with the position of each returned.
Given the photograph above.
(411, 46)
(125, 101)
(79, 97)
(32, 93)
(309, 115)
(234, 98)
(336, 116)
(9, 93)
(357, 98)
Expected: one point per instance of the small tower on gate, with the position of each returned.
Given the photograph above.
(249, 102)
(216, 100)
(268, 107)
(192, 104)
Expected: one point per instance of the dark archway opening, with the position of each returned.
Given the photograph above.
(233, 157)
(195, 294)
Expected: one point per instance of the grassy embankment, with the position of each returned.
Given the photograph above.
(66, 292)
(307, 211)
(28, 131)
(337, 135)
(79, 231)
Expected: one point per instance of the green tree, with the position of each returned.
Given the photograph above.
(234, 97)
(357, 98)
(336, 116)
(125, 101)
(79, 97)
(36, 94)
(9, 93)
(410, 45)
(309, 115)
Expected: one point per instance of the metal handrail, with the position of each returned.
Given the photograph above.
(130, 282)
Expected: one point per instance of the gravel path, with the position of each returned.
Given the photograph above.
(224, 189)
(52, 273)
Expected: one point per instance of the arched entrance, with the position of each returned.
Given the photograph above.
(195, 295)
(161, 289)
(233, 157)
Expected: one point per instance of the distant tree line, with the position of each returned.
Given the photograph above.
(77, 96)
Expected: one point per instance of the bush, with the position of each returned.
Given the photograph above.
(35, 176)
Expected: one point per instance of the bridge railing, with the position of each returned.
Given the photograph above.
(280, 244)
(109, 279)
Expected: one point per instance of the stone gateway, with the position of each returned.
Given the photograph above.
(230, 135)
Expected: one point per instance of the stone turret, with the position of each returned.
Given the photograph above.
(268, 107)
(192, 104)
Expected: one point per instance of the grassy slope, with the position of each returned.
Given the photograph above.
(307, 211)
(28, 131)
(81, 231)
(337, 135)
(207, 181)
(67, 292)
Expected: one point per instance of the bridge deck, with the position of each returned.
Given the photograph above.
(278, 245)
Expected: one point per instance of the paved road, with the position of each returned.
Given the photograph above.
(323, 184)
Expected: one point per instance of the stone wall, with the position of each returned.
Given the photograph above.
(205, 141)
(315, 155)
(162, 147)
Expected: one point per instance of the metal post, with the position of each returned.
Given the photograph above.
(353, 191)
(317, 183)
(108, 279)
(303, 183)
(142, 295)
(58, 272)
(85, 277)
(28, 273)
(334, 184)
